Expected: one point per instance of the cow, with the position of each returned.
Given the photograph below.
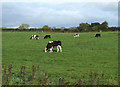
(47, 36)
(76, 35)
(98, 35)
(53, 44)
(36, 37)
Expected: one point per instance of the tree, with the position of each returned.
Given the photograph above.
(46, 27)
(21, 27)
(83, 26)
(73, 29)
(54, 28)
(104, 25)
(62, 29)
(95, 26)
(24, 26)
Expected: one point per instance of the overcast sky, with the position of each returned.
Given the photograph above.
(59, 14)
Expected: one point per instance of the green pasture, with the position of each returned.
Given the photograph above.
(80, 56)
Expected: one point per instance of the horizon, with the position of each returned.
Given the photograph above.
(48, 25)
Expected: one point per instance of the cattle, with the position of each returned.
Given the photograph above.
(98, 35)
(76, 35)
(53, 44)
(47, 36)
(36, 37)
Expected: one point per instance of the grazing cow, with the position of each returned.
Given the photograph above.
(98, 35)
(47, 36)
(53, 44)
(34, 36)
(76, 35)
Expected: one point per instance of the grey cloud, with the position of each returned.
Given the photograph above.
(58, 15)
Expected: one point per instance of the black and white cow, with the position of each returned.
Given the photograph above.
(76, 35)
(34, 36)
(53, 44)
(47, 36)
(98, 35)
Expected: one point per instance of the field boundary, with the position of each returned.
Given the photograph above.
(42, 30)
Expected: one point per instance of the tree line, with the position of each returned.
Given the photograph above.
(83, 27)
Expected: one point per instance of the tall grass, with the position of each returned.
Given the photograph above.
(37, 77)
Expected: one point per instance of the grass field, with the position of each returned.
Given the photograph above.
(80, 55)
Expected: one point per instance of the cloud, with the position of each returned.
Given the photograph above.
(59, 1)
(58, 15)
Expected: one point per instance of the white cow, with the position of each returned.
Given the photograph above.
(34, 36)
(76, 35)
(53, 44)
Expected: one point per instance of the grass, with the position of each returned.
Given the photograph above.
(80, 55)
(37, 77)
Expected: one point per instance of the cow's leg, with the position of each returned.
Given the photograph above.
(57, 48)
(60, 48)
(51, 49)
(45, 50)
(36, 38)
(31, 37)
